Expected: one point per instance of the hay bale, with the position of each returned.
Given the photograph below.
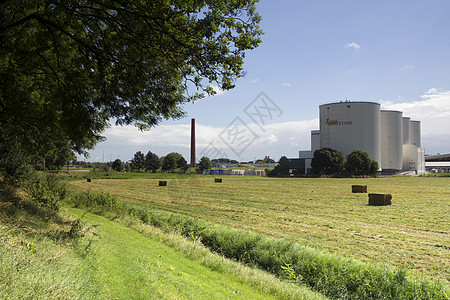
(359, 188)
(218, 180)
(162, 183)
(89, 179)
(380, 199)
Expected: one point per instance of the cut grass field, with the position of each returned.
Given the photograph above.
(323, 213)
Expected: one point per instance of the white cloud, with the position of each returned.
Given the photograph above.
(286, 84)
(352, 45)
(255, 80)
(408, 66)
(275, 140)
(433, 112)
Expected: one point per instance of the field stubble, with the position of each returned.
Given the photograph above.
(323, 213)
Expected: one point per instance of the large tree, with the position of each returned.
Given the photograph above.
(170, 162)
(205, 163)
(68, 67)
(327, 161)
(152, 162)
(359, 163)
(138, 161)
(282, 169)
(117, 165)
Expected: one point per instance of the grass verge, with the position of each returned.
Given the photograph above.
(161, 265)
(38, 260)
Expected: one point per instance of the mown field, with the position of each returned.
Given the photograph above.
(413, 232)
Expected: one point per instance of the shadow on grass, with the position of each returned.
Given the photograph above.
(27, 217)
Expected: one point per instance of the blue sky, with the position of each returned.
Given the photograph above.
(396, 53)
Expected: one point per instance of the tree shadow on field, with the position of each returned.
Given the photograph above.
(23, 214)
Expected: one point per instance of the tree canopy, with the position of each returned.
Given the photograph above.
(68, 67)
(205, 163)
(282, 169)
(359, 163)
(152, 162)
(138, 161)
(117, 165)
(172, 161)
(327, 161)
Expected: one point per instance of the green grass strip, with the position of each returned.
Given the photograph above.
(130, 265)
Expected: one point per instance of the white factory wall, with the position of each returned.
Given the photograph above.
(305, 154)
(413, 159)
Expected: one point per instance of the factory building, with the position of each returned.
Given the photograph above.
(389, 138)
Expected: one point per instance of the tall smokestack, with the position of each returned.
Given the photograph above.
(193, 159)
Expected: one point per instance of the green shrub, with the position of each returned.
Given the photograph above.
(43, 196)
(96, 199)
(47, 191)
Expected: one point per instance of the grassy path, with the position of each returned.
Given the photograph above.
(130, 265)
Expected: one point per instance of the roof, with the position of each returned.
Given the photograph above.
(437, 164)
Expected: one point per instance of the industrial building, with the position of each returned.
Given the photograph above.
(391, 139)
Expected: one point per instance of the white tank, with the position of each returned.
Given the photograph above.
(391, 140)
(406, 133)
(348, 126)
(414, 129)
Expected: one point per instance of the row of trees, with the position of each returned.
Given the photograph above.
(328, 161)
(151, 162)
(172, 162)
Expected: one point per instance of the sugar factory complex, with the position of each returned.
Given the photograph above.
(391, 139)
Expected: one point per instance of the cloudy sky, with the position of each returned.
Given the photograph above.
(396, 53)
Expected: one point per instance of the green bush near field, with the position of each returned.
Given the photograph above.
(95, 199)
(46, 190)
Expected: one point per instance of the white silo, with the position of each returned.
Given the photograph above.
(414, 129)
(348, 126)
(406, 132)
(391, 140)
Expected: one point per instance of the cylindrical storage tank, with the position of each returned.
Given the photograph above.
(348, 126)
(391, 140)
(406, 133)
(415, 133)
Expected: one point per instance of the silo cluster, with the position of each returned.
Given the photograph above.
(389, 138)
